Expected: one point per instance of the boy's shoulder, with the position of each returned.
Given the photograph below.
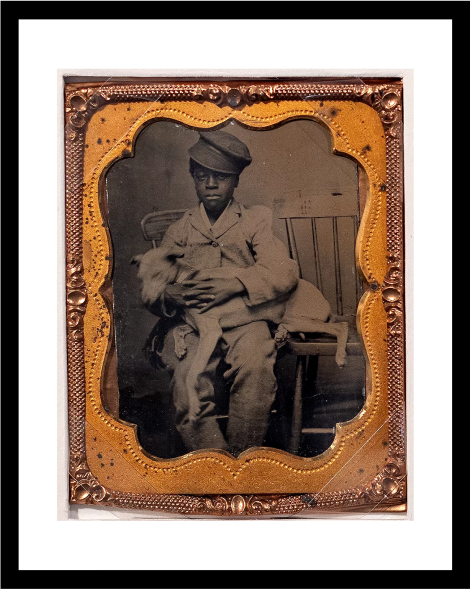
(183, 219)
(256, 214)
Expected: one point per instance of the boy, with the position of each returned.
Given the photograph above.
(222, 232)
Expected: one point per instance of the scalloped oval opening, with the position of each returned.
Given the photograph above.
(315, 197)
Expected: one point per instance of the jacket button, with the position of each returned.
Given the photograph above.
(214, 244)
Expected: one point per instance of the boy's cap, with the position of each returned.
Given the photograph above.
(221, 152)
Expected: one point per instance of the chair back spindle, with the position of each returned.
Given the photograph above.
(154, 225)
(293, 252)
(316, 254)
(320, 253)
(338, 287)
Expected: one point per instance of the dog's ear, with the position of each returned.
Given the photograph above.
(137, 259)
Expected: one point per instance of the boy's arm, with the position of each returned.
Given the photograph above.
(274, 273)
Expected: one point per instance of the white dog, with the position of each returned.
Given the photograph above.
(304, 310)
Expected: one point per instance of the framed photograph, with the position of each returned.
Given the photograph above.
(235, 295)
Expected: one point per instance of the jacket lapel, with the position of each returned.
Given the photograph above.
(229, 219)
(198, 223)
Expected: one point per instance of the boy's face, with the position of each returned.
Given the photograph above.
(214, 189)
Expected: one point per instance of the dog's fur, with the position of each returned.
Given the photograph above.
(303, 310)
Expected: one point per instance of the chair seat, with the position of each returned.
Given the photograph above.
(320, 347)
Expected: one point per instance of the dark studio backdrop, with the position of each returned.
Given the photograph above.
(293, 169)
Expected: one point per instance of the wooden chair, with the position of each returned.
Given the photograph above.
(154, 225)
(309, 348)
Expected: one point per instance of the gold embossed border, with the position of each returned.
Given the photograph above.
(381, 309)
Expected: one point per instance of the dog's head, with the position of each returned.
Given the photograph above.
(158, 268)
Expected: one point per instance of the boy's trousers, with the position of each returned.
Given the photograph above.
(249, 355)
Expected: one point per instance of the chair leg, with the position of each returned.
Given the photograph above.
(297, 408)
(284, 407)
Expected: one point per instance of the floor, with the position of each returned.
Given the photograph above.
(337, 395)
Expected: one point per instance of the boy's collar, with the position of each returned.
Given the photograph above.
(229, 217)
(213, 226)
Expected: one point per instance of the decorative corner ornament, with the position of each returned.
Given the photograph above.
(386, 100)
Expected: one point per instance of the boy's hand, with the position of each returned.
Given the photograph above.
(187, 297)
(208, 293)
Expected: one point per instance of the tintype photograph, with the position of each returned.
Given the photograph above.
(235, 288)
(235, 308)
